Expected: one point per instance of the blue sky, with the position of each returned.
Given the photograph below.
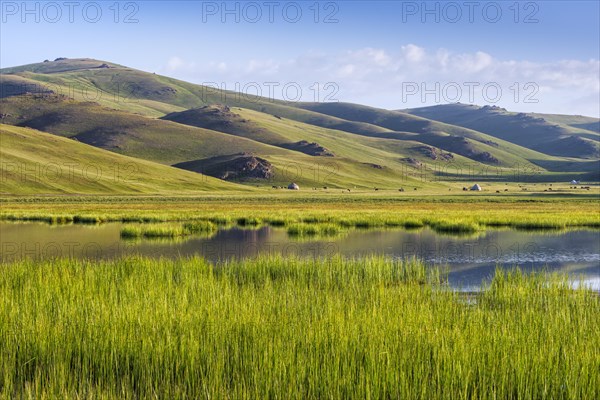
(542, 56)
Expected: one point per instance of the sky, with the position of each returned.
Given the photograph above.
(530, 56)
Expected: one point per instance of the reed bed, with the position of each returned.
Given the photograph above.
(438, 218)
(249, 221)
(290, 328)
(153, 231)
(453, 226)
(196, 227)
(162, 230)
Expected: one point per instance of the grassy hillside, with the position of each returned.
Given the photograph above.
(222, 119)
(382, 149)
(149, 94)
(116, 108)
(125, 133)
(38, 162)
(385, 154)
(575, 121)
(470, 143)
(60, 65)
(173, 143)
(554, 135)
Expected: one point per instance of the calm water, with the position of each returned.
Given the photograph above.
(470, 259)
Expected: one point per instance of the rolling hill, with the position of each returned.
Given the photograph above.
(574, 121)
(35, 162)
(265, 142)
(172, 143)
(466, 142)
(551, 134)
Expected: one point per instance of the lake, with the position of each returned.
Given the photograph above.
(470, 259)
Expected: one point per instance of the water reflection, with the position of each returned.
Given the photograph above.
(470, 258)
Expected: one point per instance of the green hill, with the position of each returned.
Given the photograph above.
(470, 143)
(171, 143)
(35, 162)
(574, 121)
(165, 120)
(222, 119)
(382, 151)
(61, 64)
(554, 135)
(125, 133)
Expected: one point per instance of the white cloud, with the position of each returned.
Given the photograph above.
(442, 56)
(375, 76)
(474, 62)
(176, 63)
(347, 70)
(376, 57)
(412, 53)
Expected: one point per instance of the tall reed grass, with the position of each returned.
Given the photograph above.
(439, 216)
(289, 328)
(159, 230)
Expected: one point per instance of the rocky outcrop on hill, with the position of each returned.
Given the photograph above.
(312, 149)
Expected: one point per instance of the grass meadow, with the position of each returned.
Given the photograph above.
(290, 328)
(293, 328)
